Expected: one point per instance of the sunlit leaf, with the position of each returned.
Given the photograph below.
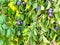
(45, 40)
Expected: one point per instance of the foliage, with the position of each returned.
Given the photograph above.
(29, 22)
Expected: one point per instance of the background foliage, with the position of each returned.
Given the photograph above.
(27, 22)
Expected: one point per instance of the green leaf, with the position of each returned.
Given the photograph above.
(58, 3)
(14, 1)
(34, 17)
(2, 31)
(34, 38)
(18, 33)
(1, 42)
(34, 5)
(45, 4)
(29, 2)
(22, 17)
(12, 30)
(41, 37)
(49, 4)
(5, 10)
(35, 32)
(1, 28)
(57, 17)
(2, 1)
(33, 43)
(44, 28)
(4, 26)
(51, 34)
(2, 19)
(8, 32)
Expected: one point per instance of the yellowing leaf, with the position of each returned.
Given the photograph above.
(27, 6)
(59, 22)
(54, 37)
(9, 22)
(16, 39)
(25, 30)
(58, 43)
(14, 22)
(25, 0)
(11, 43)
(45, 40)
(13, 8)
(17, 14)
(42, 7)
(10, 4)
